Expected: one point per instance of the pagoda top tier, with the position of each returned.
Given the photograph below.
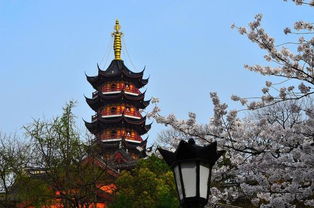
(117, 71)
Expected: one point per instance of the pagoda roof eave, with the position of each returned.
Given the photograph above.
(93, 80)
(100, 99)
(92, 102)
(102, 123)
(123, 119)
(117, 70)
(98, 80)
(117, 67)
(144, 81)
(147, 127)
(91, 127)
(123, 94)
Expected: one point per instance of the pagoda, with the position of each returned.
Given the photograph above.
(118, 125)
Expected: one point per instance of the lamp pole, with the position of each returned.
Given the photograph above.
(192, 165)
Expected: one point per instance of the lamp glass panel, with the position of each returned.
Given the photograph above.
(204, 176)
(178, 181)
(188, 170)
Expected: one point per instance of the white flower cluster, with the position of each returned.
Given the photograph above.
(270, 158)
(290, 66)
(269, 161)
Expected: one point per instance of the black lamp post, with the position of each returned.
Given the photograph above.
(192, 166)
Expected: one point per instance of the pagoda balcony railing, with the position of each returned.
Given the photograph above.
(127, 90)
(135, 138)
(135, 115)
(116, 87)
(115, 91)
(132, 92)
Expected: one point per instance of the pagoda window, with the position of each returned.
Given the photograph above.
(127, 86)
(128, 133)
(122, 131)
(113, 86)
(113, 109)
(134, 156)
(113, 133)
(106, 157)
(127, 109)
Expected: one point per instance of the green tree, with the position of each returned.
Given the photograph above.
(149, 185)
(66, 162)
(13, 159)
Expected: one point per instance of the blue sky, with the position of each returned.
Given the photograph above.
(188, 48)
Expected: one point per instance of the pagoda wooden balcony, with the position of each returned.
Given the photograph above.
(119, 86)
(135, 115)
(135, 138)
(115, 91)
(134, 91)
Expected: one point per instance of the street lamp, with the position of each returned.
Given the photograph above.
(192, 166)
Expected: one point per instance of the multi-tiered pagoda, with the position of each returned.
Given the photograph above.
(118, 125)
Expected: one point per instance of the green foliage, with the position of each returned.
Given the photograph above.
(149, 185)
(58, 149)
(34, 191)
(13, 159)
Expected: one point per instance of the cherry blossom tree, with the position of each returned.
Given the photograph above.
(270, 152)
(293, 64)
(269, 162)
(302, 2)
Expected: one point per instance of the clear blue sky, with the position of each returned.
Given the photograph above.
(188, 48)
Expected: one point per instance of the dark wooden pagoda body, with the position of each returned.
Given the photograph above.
(118, 125)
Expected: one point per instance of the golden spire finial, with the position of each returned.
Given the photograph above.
(117, 41)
